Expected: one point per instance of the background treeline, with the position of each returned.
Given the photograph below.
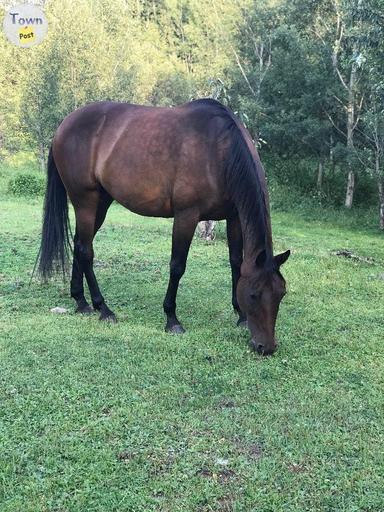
(306, 77)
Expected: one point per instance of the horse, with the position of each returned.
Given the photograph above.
(192, 162)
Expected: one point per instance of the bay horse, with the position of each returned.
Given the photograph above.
(192, 162)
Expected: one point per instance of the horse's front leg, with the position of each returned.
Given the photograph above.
(184, 227)
(235, 246)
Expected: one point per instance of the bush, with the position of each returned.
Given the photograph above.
(297, 176)
(27, 184)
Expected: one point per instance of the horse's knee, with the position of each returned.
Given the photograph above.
(177, 270)
(235, 305)
(83, 253)
(236, 261)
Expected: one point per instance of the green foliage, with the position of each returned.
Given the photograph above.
(277, 64)
(294, 180)
(308, 75)
(27, 184)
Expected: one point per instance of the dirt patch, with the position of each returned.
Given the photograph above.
(225, 504)
(161, 462)
(297, 468)
(226, 403)
(223, 475)
(255, 451)
(252, 451)
(126, 456)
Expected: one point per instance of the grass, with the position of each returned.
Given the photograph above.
(99, 417)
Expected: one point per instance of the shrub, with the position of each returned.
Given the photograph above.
(27, 184)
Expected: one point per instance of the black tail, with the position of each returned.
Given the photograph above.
(55, 238)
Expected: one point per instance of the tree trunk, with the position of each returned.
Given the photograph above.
(350, 130)
(320, 173)
(350, 189)
(206, 229)
(380, 188)
(331, 156)
(42, 157)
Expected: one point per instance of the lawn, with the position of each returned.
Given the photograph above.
(101, 417)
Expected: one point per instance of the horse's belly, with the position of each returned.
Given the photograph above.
(147, 207)
(140, 196)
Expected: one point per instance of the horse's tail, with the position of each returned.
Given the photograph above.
(55, 238)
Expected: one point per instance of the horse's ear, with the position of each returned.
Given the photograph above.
(279, 259)
(261, 258)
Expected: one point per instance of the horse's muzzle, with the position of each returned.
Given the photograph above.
(262, 349)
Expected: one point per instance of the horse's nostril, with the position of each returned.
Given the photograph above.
(260, 348)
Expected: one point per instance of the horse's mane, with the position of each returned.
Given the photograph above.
(242, 173)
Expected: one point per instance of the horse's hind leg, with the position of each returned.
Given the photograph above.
(90, 215)
(77, 281)
(184, 227)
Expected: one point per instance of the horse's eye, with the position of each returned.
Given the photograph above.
(255, 296)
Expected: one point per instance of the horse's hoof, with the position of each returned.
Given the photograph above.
(85, 310)
(242, 323)
(111, 318)
(175, 329)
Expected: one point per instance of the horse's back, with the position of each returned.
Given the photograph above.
(153, 160)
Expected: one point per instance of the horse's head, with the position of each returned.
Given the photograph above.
(259, 293)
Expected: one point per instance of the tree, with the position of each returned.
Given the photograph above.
(343, 33)
(12, 82)
(373, 118)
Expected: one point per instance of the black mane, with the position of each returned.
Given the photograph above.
(241, 172)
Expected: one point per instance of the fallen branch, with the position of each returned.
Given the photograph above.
(346, 253)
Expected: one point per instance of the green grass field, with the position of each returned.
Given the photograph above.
(101, 417)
